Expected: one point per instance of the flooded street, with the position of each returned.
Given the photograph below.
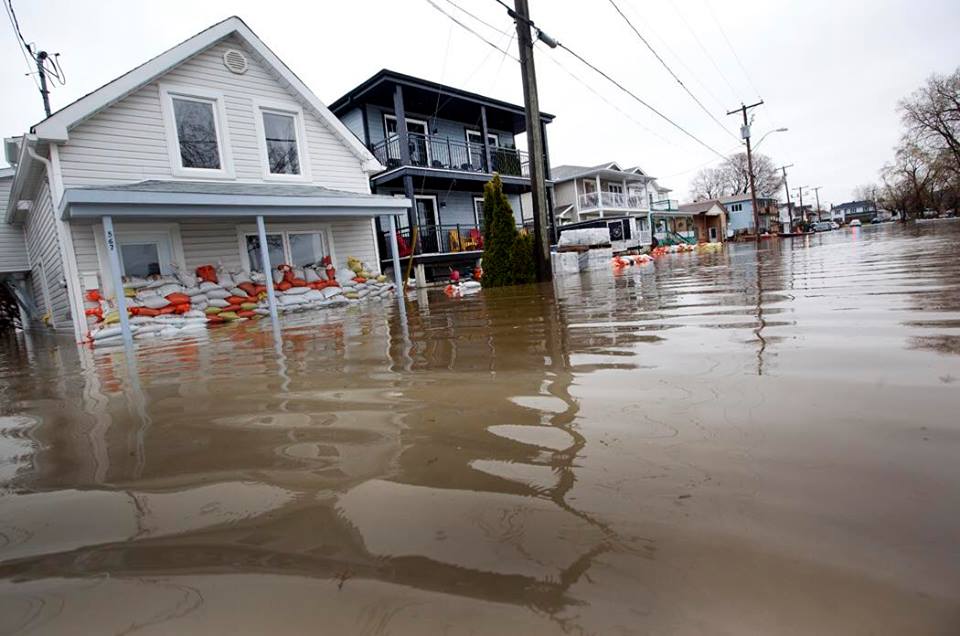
(745, 442)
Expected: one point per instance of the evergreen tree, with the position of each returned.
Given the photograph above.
(507, 256)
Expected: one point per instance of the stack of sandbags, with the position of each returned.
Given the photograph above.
(358, 288)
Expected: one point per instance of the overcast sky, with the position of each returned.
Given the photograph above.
(829, 70)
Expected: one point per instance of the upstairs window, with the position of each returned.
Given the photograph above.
(197, 139)
(280, 135)
(197, 133)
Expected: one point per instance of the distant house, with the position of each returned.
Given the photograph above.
(14, 261)
(846, 212)
(709, 220)
(439, 145)
(621, 198)
(740, 213)
(171, 166)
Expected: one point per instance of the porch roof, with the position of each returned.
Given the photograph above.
(211, 199)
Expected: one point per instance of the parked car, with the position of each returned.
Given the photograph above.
(876, 220)
(834, 225)
(855, 223)
(823, 226)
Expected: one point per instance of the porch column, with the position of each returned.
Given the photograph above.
(484, 132)
(599, 197)
(113, 255)
(268, 271)
(395, 257)
(401, 116)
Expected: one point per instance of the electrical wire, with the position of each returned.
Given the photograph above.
(469, 29)
(479, 19)
(706, 54)
(670, 70)
(730, 46)
(22, 43)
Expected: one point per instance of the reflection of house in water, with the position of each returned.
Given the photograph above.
(325, 462)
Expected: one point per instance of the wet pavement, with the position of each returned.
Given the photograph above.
(735, 443)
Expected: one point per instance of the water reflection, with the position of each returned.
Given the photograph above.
(583, 457)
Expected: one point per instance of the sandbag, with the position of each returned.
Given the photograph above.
(155, 302)
(248, 306)
(293, 291)
(135, 282)
(207, 273)
(218, 302)
(192, 291)
(311, 276)
(238, 300)
(231, 309)
(330, 292)
(212, 311)
(207, 285)
(217, 292)
(178, 298)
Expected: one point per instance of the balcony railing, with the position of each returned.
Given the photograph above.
(436, 239)
(433, 151)
(612, 200)
(666, 205)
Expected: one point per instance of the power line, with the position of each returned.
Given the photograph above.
(730, 46)
(669, 70)
(706, 54)
(21, 43)
(467, 28)
(480, 20)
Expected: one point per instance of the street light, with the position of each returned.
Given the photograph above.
(757, 145)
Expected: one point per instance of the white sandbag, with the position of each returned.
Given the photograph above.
(160, 281)
(199, 299)
(260, 311)
(277, 276)
(289, 300)
(106, 332)
(207, 285)
(225, 279)
(314, 294)
(298, 272)
(236, 291)
(195, 314)
(330, 292)
(141, 320)
(135, 282)
(311, 276)
(193, 291)
(242, 277)
(217, 293)
(155, 302)
(348, 284)
(170, 288)
(186, 279)
(217, 302)
(296, 291)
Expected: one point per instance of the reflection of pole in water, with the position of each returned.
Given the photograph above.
(761, 320)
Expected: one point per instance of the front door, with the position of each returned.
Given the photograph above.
(429, 222)
(475, 149)
(713, 234)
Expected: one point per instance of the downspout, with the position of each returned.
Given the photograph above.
(67, 266)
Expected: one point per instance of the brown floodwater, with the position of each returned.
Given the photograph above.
(749, 442)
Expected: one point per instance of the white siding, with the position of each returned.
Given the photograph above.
(215, 242)
(43, 245)
(127, 141)
(13, 242)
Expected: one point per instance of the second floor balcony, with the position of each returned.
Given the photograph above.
(446, 153)
(618, 201)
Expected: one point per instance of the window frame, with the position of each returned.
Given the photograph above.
(285, 230)
(137, 233)
(168, 92)
(476, 213)
(299, 127)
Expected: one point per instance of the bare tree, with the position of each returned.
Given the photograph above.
(732, 177)
(867, 192)
(931, 116)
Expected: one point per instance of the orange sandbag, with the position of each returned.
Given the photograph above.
(169, 309)
(359, 279)
(212, 318)
(248, 287)
(93, 295)
(144, 311)
(246, 313)
(298, 282)
(207, 273)
(284, 286)
(230, 308)
(238, 300)
(182, 308)
(259, 289)
(177, 298)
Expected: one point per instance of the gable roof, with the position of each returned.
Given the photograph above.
(567, 172)
(700, 207)
(737, 198)
(56, 127)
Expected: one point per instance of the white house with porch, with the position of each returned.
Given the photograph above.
(607, 191)
(213, 152)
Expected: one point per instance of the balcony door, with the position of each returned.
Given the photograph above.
(419, 140)
(475, 149)
(428, 219)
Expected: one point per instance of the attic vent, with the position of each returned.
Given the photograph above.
(235, 61)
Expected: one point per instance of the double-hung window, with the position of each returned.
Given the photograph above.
(195, 121)
(281, 136)
(298, 248)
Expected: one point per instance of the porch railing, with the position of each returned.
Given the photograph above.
(612, 200)
(447, 153)
(436, 239)
(666, 205)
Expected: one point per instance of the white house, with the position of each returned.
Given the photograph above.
(171, 165)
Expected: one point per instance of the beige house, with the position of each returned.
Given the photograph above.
(175, 165)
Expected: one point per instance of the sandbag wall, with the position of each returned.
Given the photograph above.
(165, 306)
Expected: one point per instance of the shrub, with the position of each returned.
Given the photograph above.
(507, 255)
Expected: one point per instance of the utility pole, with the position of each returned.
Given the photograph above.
(787, 190)
(745, 134)
(535, 141)
(816, 191)
(40, 57)
(802, 211)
